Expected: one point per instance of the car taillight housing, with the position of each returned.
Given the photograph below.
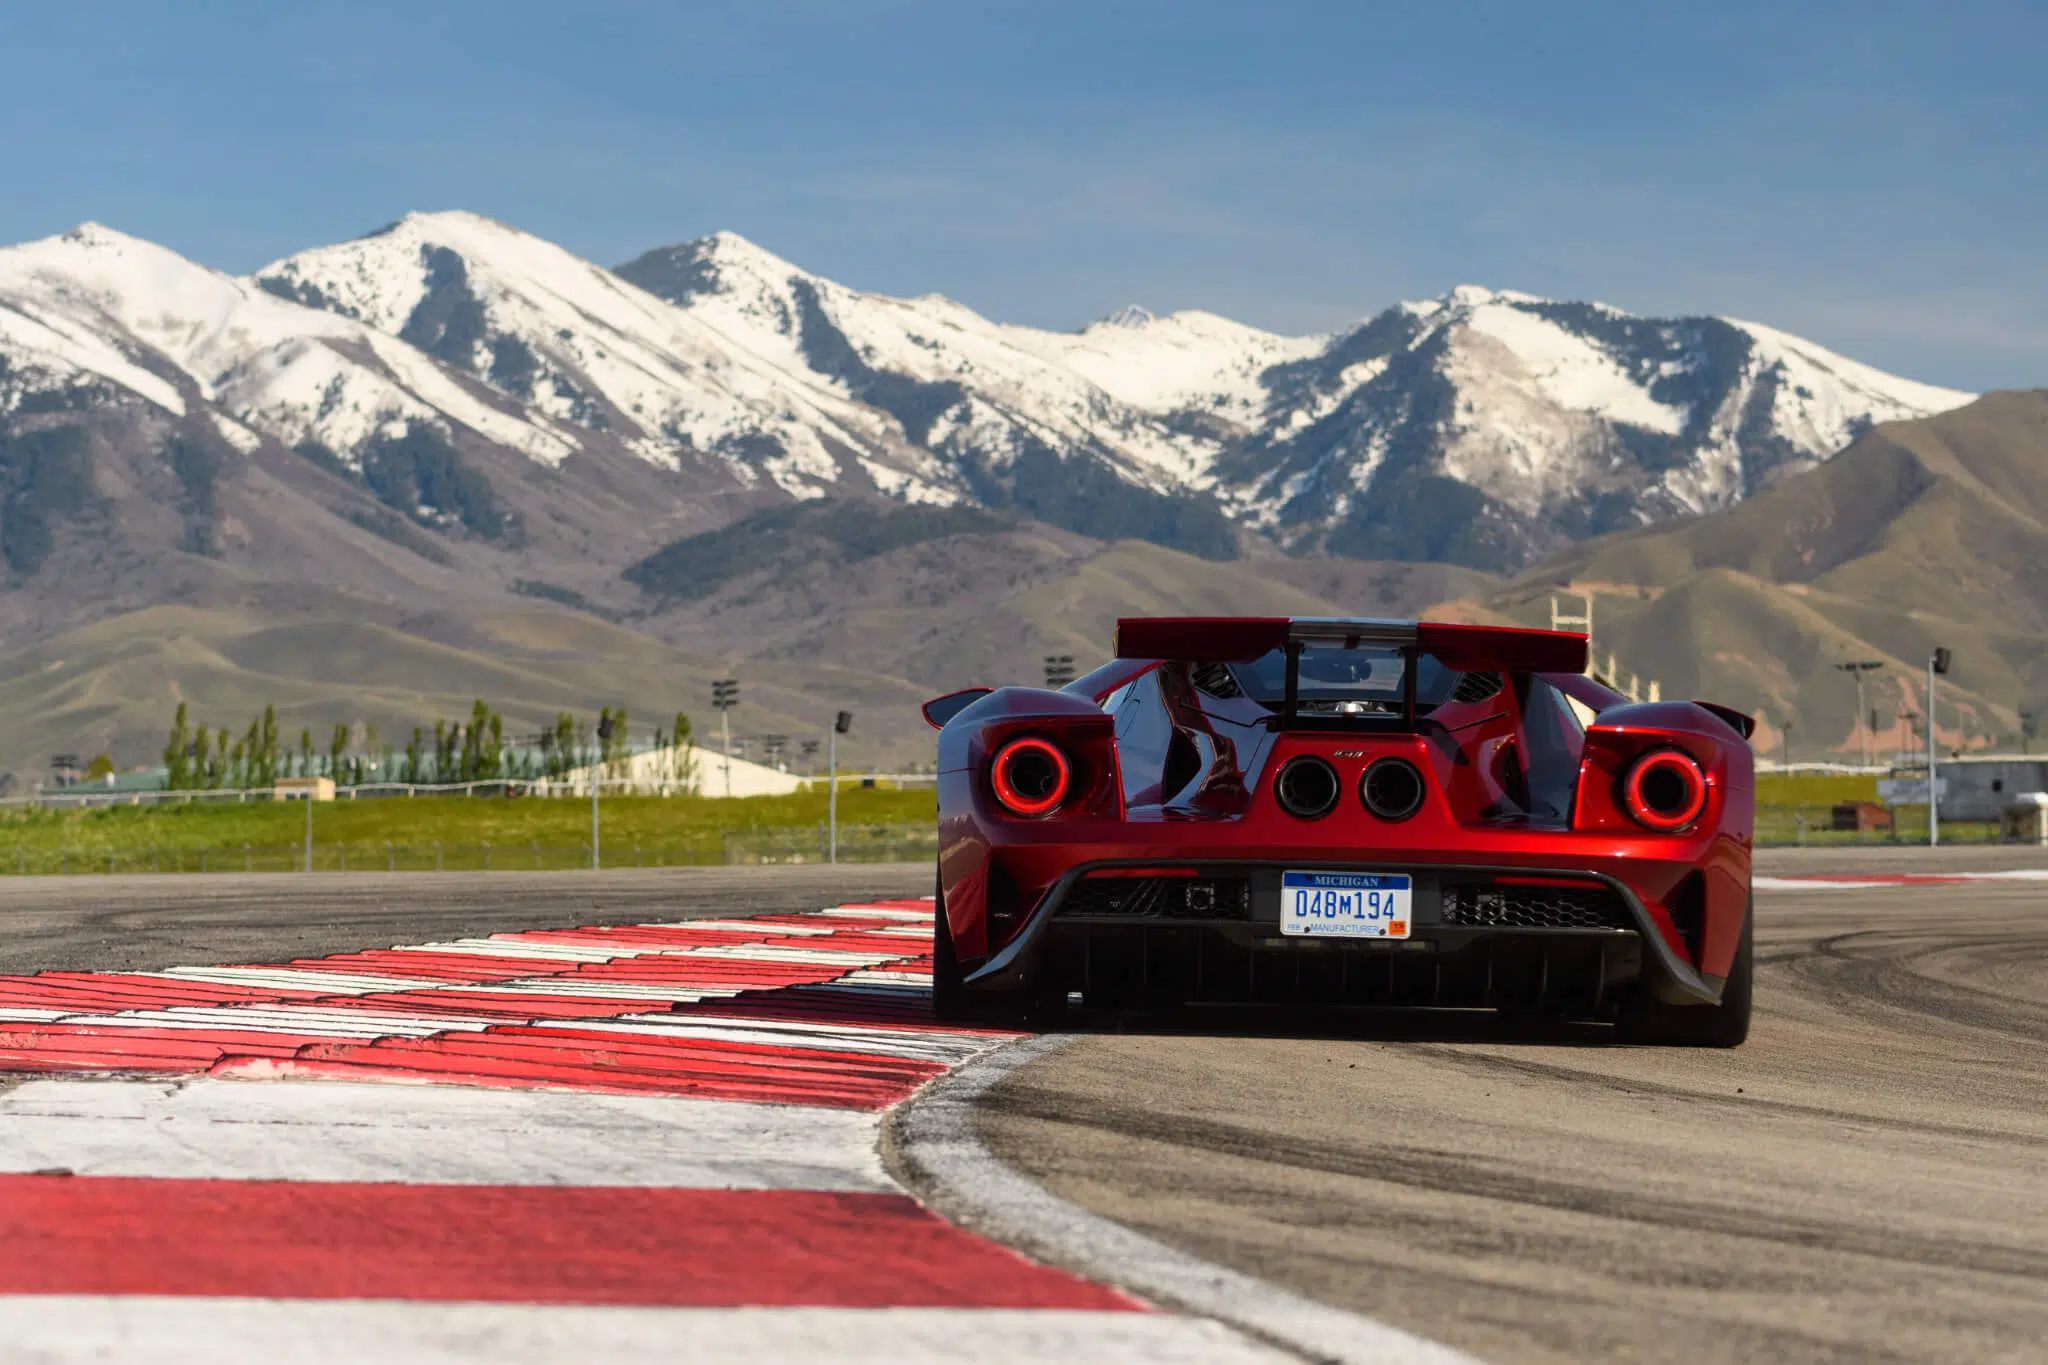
(1664, 790)
(1031, 777)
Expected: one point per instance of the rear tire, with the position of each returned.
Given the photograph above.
(1649, 1020)
(953, 1003)
(949, 1000)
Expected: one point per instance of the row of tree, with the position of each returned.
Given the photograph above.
(199, 757)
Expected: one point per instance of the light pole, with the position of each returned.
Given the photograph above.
(1059, 670)
(2027, 728)
(841, 723)
(1788, 745)
(1856, 670)
(1937, 662)
(725, 694)
(604, 735)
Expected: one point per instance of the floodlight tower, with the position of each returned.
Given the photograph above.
(604, 735)
(1856, 670)
(841, 723)
(725, 694)
(1937, 662)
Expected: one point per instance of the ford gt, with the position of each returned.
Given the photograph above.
(1346, 812)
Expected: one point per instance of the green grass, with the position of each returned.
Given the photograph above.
(1814, 789)
(400, 831)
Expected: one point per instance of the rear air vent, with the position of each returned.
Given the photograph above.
(1391, 789)
(1215, 679)
(1306, 788)
(1477, 687)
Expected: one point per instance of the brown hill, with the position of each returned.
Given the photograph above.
(1921, 533)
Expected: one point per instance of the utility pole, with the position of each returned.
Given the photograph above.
(841, 723)
(1856, 670)
(1937, 662)
(604, 735)
(725, 694)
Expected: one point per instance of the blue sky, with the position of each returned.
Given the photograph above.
(1869, 175)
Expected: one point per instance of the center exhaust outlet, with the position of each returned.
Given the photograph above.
(1392, 789)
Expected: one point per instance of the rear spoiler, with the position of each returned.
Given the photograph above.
(1236, 639)
(1745, 725)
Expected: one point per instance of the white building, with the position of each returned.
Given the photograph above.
(677, 772)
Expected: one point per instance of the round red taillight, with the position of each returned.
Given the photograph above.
(1664, 791)
(1030, 777)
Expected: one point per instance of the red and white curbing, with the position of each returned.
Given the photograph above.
(1871, 881)
(542, 1146)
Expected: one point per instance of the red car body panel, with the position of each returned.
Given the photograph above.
(1172, 780)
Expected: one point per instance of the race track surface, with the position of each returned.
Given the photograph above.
(110, 924)
(1865, 1180)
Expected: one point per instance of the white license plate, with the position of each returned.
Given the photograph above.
(1346, 904)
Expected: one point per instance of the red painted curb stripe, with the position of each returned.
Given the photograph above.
(774, 1248)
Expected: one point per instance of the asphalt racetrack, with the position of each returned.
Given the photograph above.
(1865, 1180)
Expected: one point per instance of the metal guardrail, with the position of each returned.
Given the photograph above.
(540, 788)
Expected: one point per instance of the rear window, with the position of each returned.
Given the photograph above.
(1362, 682)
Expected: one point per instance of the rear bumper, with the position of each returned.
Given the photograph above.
(1573, 962)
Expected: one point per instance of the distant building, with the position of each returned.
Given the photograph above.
(303, 789)
(1982, 786)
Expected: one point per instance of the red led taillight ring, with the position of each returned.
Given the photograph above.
(1002, 777)
(1667, 817)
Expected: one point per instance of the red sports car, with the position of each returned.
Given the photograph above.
(1335, 812)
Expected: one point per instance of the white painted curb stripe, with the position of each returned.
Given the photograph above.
(166, 1331)
(943, 1161)
(206, 1129)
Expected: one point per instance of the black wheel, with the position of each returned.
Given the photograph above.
(1650, 1020)
(953, 1003)
(949, 1003)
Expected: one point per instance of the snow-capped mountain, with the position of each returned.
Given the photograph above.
(449, 363)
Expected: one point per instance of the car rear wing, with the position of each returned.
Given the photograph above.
(1238, 639)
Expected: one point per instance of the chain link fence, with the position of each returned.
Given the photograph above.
(1863, 823)
(801, 844)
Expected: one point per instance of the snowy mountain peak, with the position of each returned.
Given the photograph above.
(1484, 426)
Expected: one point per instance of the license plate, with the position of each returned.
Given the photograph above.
(1346, 904)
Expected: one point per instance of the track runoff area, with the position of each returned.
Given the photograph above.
(559, 1144)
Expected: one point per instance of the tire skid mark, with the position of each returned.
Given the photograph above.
(1448, 1172)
